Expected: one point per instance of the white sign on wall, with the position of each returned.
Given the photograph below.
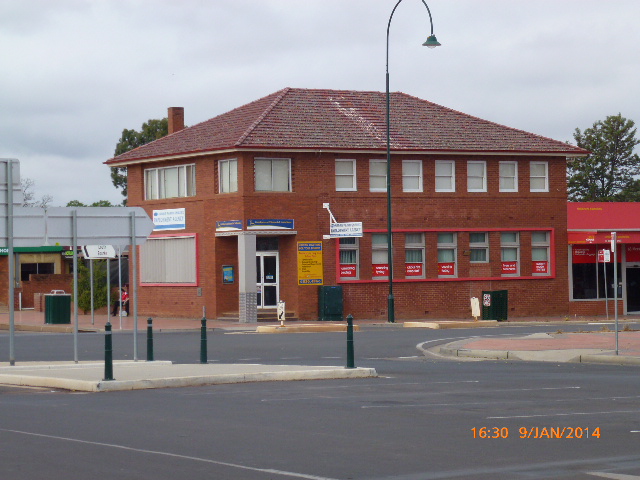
(169, 219)
(350, 229)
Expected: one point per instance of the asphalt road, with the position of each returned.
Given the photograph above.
(424, 418)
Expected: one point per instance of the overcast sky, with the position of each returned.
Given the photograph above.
(75, 73)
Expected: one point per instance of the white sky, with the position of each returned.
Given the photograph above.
(75, 73)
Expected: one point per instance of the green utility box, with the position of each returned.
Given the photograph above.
(57, 308)
(495, 305)
(331, 304)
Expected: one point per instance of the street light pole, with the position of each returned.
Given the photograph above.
(431, 43)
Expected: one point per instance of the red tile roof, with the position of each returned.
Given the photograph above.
(305, 119)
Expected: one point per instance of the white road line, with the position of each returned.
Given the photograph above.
(614, 476)
(173, 455)
(564, 414)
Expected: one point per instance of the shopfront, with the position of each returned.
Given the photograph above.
(591, 273)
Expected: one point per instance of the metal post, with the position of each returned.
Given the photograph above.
(108, 353)
(133, 289)
(11, 261)
(614, 247)
(74, 227)
(149, 339)
(203, 340)
(350, 361)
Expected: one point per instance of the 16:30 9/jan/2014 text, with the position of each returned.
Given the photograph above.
(537, 432)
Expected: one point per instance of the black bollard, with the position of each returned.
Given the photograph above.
(203, 340)
(149, 339)
(108, 353)
(350, 362)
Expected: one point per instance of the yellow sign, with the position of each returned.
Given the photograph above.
(310, 270)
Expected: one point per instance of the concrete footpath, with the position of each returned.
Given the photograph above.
(582, 347)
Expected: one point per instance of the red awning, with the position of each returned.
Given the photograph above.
(600, 238)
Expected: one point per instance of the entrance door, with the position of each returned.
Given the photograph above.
(633, 289)
(268, 274)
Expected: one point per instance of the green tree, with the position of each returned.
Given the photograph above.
(99, 285)
(151, 130)
(608, 173)
(99, 203)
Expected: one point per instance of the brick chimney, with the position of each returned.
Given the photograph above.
(176, 119)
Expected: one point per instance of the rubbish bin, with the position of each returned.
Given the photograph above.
(495, 305)
(57, 307)
(331, 304)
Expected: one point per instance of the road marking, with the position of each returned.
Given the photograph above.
(615, 476)
(271, 471)
(564, 414)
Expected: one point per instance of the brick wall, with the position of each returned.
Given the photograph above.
(313, 177)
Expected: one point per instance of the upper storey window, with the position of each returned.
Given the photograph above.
(228, 171)
(345, 175)
(170, 182)
(273, 174)
(445, 176)
(539, 176)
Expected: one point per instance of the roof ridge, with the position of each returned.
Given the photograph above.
(267, 110)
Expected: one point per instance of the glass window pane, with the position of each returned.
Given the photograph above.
(348, 257)
(344, 168)
(539, 237)
(170, 183)
(509, 254)
(446, 237)
(263, 175)
(414, 238)
(379, 256)
(413, 255)
(509, 237)
(280, 169)
(344, 182)
(410, 183)
(411, 168)
(538, 170)
(378, 168)
(478, 255)
(446, 255)
(444, 183)
(444, 169)
(379, 239)
(538, 184)
(348, 241)
(539, 254)
(478, 237)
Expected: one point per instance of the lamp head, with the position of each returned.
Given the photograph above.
(432, 42)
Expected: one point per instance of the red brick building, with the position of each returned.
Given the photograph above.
(238, 202)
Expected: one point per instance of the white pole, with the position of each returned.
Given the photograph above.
(133, 274)
(120, 284)
(93, 318)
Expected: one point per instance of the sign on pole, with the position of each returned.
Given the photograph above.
(97, 252)
(350, 229)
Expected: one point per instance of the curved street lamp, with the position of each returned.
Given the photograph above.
(431, 42)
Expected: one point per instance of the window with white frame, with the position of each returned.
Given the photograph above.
(170, 182)
(412, 175)
(508, 176)
(540, 253)
(445, 176)
(228, 176)
(510, 253)
(476, 176)
(447, 254)
(273, 174)
(346, 176)
(539, 176)
(479, 247)
(379, 255)
(349, 258)
(377, 175)
(414, 255)
(168, 260)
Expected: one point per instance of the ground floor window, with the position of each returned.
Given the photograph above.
(27, 269)
(447, 254)
(168, 260)
(591, 279)
(349, 258)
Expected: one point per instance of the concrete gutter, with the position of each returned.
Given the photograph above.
(452, 324)
(308, 328)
